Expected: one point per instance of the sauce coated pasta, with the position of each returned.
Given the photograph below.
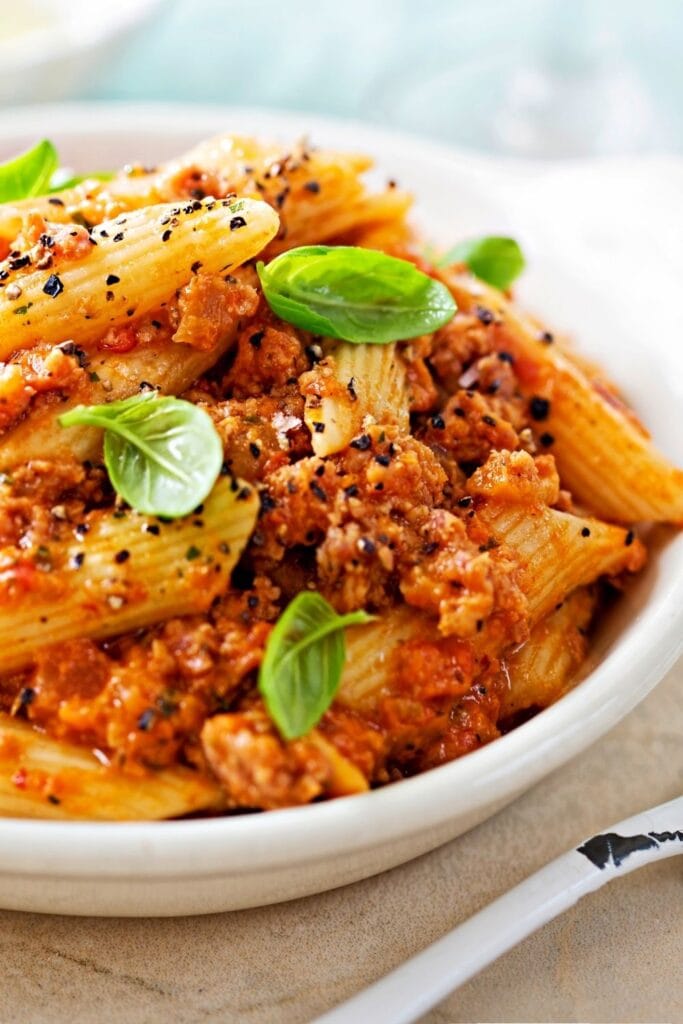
(290, 506)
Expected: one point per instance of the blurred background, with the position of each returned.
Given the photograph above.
(526, 78)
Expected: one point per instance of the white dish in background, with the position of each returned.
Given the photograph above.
(600, 237)
(49, 48)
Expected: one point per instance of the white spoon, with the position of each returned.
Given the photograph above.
(420, 983)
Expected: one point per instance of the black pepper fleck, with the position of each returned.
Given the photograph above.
(539, 408)
(53, 286)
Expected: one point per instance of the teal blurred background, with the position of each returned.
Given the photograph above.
(533, 78)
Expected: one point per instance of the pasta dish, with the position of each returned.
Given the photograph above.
(292, 505)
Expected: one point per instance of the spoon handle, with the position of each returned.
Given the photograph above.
(420, 983)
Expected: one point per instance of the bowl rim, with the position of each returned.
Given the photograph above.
(255, 843)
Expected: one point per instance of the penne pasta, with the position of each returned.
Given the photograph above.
(370, 650)
(87, 588)
(603, 456)
(542, 669)
(557, 551)
(45, 778)
(344, 778)
(319, 193)
(355, 386)
(136, 265)
(169, 367)
(462, 495)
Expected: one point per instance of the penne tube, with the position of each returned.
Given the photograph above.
(370, 651)
(603, 456)
(542, 669)
(111, 376)
(358, 385)
(45, 778)
(319, 192)
(138, 263)
(345, 778)
(557, 551)
(128, 571)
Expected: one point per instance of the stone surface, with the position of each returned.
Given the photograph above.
(614, 957)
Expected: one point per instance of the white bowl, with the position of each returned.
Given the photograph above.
(48, 48)
(586, 226)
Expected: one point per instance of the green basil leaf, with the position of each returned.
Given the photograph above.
(61, 181)
(493, 259)
(29, 173)
(163, 455)
(303, 662)
(354, 294)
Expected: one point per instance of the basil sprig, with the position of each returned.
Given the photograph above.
(37, 172)
(61, 180)
(496, 260)
(354, 294)
(303, 662)
(163, 455)
(29, 173)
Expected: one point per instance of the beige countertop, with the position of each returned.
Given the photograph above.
(617, 956)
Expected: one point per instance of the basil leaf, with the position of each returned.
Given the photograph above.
(61, 181)
(493, 259)
(29, 173)
(303, 662)
(354, 294)
(163, 454)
